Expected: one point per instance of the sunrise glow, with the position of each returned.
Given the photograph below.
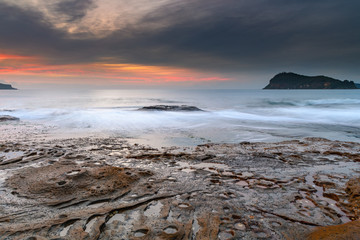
(16, 65)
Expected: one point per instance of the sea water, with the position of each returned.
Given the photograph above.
(229, 116)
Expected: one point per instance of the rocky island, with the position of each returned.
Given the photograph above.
(6, 87)
(296, 81)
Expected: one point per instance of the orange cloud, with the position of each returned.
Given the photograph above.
(15, 65)
(16, 57)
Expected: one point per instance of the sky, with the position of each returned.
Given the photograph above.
(172, 43)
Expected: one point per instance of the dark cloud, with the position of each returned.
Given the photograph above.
(227, 35)
(241, 35)
(25, 30)
(74, 9)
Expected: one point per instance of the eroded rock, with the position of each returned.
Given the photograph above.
(79, 189)
(349, 231)
(65, 181)
(353, 190)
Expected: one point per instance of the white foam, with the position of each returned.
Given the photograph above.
(231, 116)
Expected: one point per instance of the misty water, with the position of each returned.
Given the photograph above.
(230, 115)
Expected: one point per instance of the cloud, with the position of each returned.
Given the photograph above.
(74, 9)
(210, 35)
(26, 30)
(242, 35)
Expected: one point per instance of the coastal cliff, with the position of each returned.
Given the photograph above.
(296, 81)
(6, 87)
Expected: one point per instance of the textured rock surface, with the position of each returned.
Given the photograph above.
(353, 189)
(91, 188)
(347, 231)
(65, 181)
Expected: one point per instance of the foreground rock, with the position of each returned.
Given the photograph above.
(173, 108)
(353, 191)
(109, 189)
(67, 181)
(350, 230)
(4, 118)
(297, 81)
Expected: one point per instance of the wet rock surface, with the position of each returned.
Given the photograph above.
(174, 108)
(91, 188)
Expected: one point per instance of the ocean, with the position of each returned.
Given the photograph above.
(229, 116)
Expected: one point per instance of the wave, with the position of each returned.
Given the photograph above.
(110, 118)
(159, 100)
(231, 115)
(227, 125)
(316, 102)
(7, 110)
(125, 118)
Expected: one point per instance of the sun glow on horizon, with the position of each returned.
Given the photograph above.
(12, 65)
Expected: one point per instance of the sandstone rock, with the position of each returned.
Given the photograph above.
(353, 190)
(79, 195)
(350, 231)
(61, 182)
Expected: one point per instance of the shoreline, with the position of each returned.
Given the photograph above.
(248, 190)
(25, 130)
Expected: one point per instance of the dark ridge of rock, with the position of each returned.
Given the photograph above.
(173, 108)
(296, 81)
(4, 118)
(6, 87)
(357, 85)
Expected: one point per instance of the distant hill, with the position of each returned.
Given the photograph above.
(6, 87)
(296, 81)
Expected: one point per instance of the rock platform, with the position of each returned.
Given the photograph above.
(88, 188)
